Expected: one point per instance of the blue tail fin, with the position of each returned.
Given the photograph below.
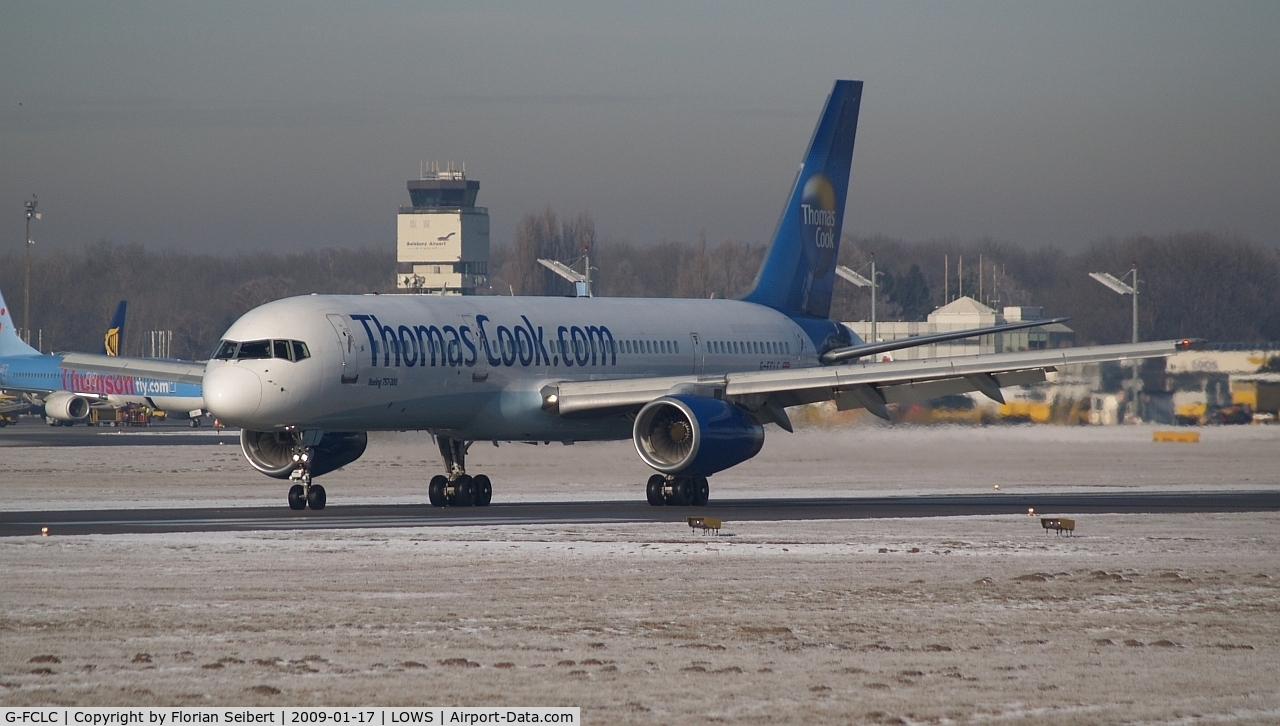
(10, 343)
(115, 331)
(799, 270)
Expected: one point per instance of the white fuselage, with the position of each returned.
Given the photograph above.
(472, 368)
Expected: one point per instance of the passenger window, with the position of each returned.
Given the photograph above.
(300, 351)
(280, 349)
(254, 350)
(226, 351)
(677, 346)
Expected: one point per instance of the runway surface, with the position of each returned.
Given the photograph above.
(230, 519)
(31, 432)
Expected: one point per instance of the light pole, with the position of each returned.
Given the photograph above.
(1117, 284)
(26, 282)
(861, 281)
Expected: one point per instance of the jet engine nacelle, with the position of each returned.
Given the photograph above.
(271, 452)
(695, 436)
(65, 406)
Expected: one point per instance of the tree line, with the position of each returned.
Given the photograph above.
(1191, 284)
(197, 296)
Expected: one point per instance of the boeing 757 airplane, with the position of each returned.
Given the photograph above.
(691, 382)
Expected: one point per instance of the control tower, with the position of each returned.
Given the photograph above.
(442, 238)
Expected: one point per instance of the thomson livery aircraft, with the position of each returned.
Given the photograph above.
(68, 384)
(691, 382)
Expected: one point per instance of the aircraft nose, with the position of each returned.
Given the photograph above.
(233, 394)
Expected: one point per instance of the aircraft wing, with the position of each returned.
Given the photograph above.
(858, 385)
(840, 355)
(168, 370)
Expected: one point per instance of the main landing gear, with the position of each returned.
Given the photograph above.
(458, 489)
(303, 493)
(677, 491)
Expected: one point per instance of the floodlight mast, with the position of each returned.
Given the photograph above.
(26, 275)
(861, 281)
(1117, 285)
(581, 282)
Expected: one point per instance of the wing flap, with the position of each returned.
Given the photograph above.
(145, 367)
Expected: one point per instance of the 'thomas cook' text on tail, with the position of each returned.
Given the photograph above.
(798, 273)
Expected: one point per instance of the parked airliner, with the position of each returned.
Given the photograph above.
(69, 384)
(691, 382)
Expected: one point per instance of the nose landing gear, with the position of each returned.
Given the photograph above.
(677, 491)
(303, 493)
(457, 489)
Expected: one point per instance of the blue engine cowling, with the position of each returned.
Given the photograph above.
(271, 452)
(694, 436)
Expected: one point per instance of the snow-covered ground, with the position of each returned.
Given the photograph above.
(1141, 619)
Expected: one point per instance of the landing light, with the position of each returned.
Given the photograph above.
(552, 398)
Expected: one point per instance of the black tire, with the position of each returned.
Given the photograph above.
(701, 491)
(296, 498)
(435, 491)
(681, 492)
(316, 497)
(483, 490)
(653, 490)
(195, 422)
(464, 492)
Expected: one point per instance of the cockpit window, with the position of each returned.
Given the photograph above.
(294, 350)
(254, 349)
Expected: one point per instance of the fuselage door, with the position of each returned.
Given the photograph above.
(699, 354)
(480, 373)
(348, 346)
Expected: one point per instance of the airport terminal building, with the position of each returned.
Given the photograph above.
(965, 313)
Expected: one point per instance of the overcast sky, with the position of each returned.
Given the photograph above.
(281, 126)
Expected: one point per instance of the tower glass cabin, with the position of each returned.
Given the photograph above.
(442, 238)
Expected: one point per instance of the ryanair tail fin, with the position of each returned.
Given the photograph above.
(115, 331)
(798, 273)
(10, 343)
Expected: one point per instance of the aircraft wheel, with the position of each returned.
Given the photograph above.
(653, 490)
(195, 422)
(435, 491)
(463, 492)
(483, 490)
(316, 498)
(680, 493)
(297, 500)
(701, 491)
